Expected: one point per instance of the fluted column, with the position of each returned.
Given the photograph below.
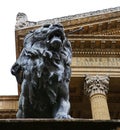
(96, 87)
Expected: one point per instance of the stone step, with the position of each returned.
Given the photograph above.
(58, 124)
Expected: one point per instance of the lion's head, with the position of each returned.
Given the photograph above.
(53, 35)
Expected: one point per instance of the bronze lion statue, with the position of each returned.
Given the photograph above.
(43, 70)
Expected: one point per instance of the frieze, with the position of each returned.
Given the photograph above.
(96, 61)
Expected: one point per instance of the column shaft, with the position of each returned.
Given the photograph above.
(99, 107)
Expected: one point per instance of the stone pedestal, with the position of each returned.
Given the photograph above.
(96, 87)
(60, 124)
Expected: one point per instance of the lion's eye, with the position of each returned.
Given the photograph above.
(46, 25)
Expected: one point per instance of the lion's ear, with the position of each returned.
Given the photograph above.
(47, 25)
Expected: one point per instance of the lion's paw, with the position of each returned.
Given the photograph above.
(63, 116)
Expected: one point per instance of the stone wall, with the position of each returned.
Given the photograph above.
(8, 106)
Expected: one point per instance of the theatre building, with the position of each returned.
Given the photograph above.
(95, 79)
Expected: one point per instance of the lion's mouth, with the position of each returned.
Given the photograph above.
(56, 33)
(56, 39)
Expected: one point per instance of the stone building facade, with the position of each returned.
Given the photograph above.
(95, 81)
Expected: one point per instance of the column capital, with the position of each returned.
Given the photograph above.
(96, 85)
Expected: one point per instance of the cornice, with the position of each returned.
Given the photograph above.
(71, 19)
(9, 98)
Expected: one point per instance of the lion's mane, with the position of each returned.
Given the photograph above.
(43, 70)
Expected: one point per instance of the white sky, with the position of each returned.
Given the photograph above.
(36, 10)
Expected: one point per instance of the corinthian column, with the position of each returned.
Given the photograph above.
(96, 87)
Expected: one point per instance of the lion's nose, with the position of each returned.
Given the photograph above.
(56, 42)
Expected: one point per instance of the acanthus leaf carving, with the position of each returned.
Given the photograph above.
(96, 84)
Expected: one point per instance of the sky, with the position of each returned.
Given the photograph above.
(35, 10)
